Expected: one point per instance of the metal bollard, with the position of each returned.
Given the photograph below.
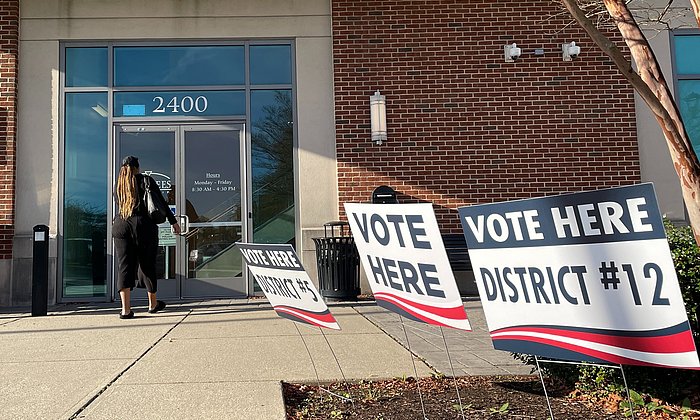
(40, 270)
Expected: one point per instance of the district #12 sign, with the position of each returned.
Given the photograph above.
(405, 261)
(286, 284)
(582, 277)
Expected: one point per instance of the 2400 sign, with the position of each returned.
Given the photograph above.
(185, 104)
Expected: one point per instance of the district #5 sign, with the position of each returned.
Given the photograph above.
(582, 277)
(405, 261)
(286, 285)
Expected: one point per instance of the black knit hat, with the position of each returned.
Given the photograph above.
(132, 161)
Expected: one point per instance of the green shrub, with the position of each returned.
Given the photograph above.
(686, 259)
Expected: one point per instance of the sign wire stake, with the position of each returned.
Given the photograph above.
(318, 380)
(546, 396)
(454, 377)
(345, 381)
(629, 399)
(415, 371)
(565, 362)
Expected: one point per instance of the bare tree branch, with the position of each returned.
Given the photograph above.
(653, 89)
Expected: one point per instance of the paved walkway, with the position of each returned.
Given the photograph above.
(215, 359)
(471, 353)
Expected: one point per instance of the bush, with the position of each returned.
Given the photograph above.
(686, 259)
(668, 384)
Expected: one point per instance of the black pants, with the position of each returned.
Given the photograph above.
(136, 248)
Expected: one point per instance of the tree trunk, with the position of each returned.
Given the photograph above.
(696, 9)
(652, 88)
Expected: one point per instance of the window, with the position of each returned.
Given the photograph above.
(270, 64)
(687, 66)
(85, 195)
(179, 66)
(86, 67)
(247, 82)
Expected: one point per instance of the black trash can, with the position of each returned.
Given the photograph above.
(338, 263)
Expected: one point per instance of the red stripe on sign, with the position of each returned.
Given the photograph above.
(456, 313)
(404, 310)
(680, 342)
(295, 317)
(320, 316)
(608, 357)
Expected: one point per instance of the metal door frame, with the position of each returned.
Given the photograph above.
(179, 128)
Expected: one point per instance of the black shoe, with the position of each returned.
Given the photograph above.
(160, 305)
(126, 316)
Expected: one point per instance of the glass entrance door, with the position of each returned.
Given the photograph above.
(200, 171)
(213, 204)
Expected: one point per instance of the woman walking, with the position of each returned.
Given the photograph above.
(136, 236)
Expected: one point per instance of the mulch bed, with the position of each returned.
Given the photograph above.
(482, 397)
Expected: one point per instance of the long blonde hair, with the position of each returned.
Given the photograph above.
(127, 190)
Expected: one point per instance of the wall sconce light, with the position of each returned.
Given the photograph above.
(512, 52)
(570, 51)
(377, 106)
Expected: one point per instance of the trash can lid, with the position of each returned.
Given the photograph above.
(336, 223)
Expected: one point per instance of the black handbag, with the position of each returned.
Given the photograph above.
(154, 212)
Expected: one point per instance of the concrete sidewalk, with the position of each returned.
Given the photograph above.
(215, 359)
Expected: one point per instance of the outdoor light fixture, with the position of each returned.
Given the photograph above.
(570, 51)
(512, 52)
(377, 107)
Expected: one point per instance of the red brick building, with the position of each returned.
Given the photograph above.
(465, 126)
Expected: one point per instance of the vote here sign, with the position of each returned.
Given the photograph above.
(583, 277)
(286, 285)
(405, 261)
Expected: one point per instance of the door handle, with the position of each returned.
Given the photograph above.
(184, 224)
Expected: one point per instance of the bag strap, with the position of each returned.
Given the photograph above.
(146, 193)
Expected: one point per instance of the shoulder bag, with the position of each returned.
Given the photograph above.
(152, 208)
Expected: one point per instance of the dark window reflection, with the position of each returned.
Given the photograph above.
(212, 176)
(687, 58)
(86, 67)
(272, 166)
(270, 64)
(85, 202)
(156, 153)
(179, 66)
(689, 99)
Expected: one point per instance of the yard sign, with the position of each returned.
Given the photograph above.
(286, 285)
(405, 261)
(582, 277)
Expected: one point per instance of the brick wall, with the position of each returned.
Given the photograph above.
(9, 46)
(464, 126)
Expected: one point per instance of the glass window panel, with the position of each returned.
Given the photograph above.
(687, 58)
(689, 101)
(179, 66)
(212, 252)
(212, 176)
(85, 198)
(86, 67)
(213, 203)
(179, 103)
(272, 166)
(270, 64)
